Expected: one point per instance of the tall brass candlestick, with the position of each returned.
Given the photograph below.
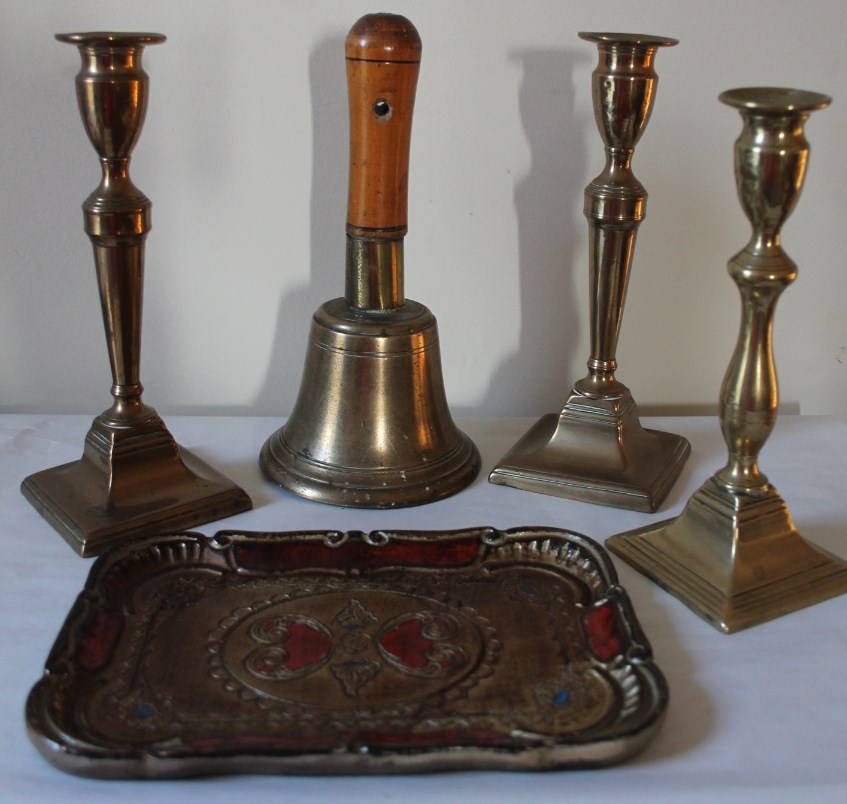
(596, 450)
(734, 555)
(371, 427)
(133, 478)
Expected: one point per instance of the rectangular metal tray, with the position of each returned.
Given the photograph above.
(331, 652)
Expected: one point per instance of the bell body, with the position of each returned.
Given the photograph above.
(371, 427)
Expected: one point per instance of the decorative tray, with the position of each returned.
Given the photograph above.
(330, 652)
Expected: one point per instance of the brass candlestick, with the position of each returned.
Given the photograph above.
(133, 478)
(371, 427)
(734, 555)
(596, 450)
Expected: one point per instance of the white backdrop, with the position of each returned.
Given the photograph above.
(244, 155)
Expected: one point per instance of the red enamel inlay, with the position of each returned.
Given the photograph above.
(354, 553)
(604, 632)
(97, 638)
(304, 646)
(408, 644)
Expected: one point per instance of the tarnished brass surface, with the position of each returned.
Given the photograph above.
(734, 555)
(371, 427)
(132, 478)
(595, 449)
(330, 652)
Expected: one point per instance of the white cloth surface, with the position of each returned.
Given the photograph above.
(756, 716)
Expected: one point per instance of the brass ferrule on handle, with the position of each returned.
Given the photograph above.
(374, 274)
(383, 53)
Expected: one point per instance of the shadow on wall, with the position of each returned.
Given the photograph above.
(551, 231)
(51, 330)
(327, 210)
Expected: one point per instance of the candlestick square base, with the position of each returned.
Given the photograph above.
(595, 451)
(130, 481)
(736, 559)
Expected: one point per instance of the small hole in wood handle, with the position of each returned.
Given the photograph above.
(382, 110)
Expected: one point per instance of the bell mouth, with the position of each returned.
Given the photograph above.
(355, 487)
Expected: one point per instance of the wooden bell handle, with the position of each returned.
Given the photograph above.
(383, 59)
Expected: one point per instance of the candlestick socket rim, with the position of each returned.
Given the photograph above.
(631, 39)
(111, 38)
(774, 100)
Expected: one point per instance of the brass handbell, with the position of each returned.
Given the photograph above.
(371, 427)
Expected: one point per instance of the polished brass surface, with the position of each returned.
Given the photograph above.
(595, 449)
(330, 652)
(133, 478)
(371, 427)
(374, 274)
(734, 555)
